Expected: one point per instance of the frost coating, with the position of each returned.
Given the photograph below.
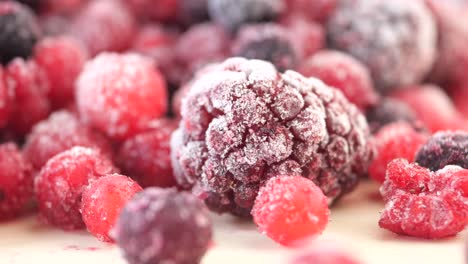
(243, 122)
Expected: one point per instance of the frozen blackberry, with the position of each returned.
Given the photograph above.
(192, 11)
(396, 40)
(388, 111)
(19, 31)
(232, 14)
(163, 226)
(269, 42)
(243, 123)
(444, 148)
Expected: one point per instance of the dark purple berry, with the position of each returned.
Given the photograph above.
(243, 122)
(232, 14)
(395, 39)
(34, 4)
(269, 42)
(193, 11)
(444, 148)
(389, 111)
(163, 226)
(19, 31)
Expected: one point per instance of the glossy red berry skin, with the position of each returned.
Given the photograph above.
(290, 209)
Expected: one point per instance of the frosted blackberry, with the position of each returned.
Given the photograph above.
(444, 148)
(396, 40)
(163, 226)
(19, 31)
(243, 122)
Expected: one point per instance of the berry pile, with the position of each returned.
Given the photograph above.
(203, 96)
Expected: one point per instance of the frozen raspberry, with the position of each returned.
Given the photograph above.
(163, 226)
(19, 31)
(396, 40)
(444, 148)
(268, 42)
(120, 94)
(422, 203)
(243, 122)
(102, 202)
(30, 85)
(191, 12)
(290, 209)
(145, 157)
(452, 59)
(60, 184)
(342, 71)
(232, 14)
(104, 25)
(307, 36)
(61, 131)
(62, 59)
(422, 100)
(324, 254)
(395, 140)
(212, 45)
(6, 98)
(159, 10)
(16, 181)
(318, 10)
(388, 111)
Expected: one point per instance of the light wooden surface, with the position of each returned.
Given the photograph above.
(353, 225)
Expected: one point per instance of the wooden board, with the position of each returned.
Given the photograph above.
(353, 225)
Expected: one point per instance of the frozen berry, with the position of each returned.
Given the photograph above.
(232, 14)
(61, 131)
(396, 140)
(388, 111)
(212, 44)
(324, 254)
(60, 184)
(159, 10)
(30, 85)
(318, 10)
(19, 31)
(54, 25)
(422, 100)
(16, 181)
(145, 157)
(422, 203)
(62, 59)
(102, 202)
(444, 148)
(192, 11)
(307, 36)
(163, 226)
(243, 122)
(62, 6)
(396, 40)
(458, 93)
(104, 25)
(342, 71)
(120, 94)
(269, 42)
(6, 98)
(290, 209)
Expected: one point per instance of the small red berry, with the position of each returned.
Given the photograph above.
(289, 209)
(6, 99)
(395, 140)
(60, 184)
(102, 202)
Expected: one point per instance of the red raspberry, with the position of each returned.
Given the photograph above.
(159, 10)
(6, 98)
(390, 110)
(104, 25)
(163, 226)
(243, 122)
(458, 94)
(145, 157)
(102, 202)
(62, 59)
(290, 209)
(422, 100)
(342, 71)
(30, 85)
(395, 39)
(318, 10)
(60, 184)
(61, 131)
(120, 94)
(308, 37)
(396, 140)
(16, 181)
(422, 203)
(324, 254)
